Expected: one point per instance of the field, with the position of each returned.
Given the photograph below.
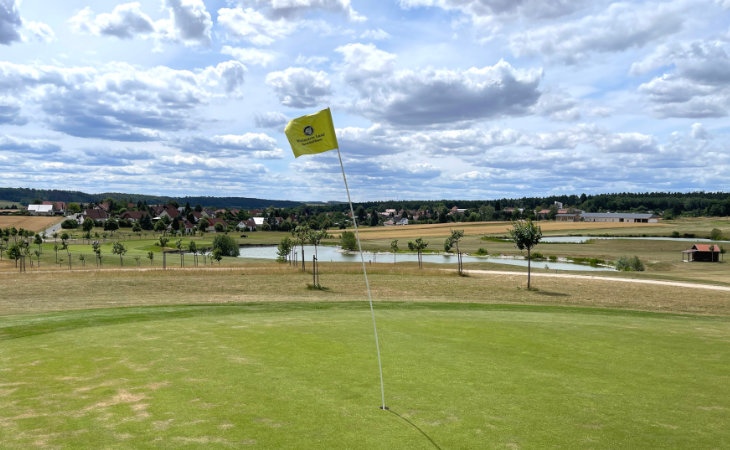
(33, 223)
(244, 353)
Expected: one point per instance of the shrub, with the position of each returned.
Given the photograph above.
(629, 264)
(348, 241)
(552, 258)
(482, 252)
(225, 245)
(537, 256)
(69, 224)
(716, 234)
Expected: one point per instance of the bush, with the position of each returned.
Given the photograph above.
(69, 224)
(225, 245)
(348, 241)
(629, 264)
(482, 252)
(716, 234)
(536, 256)
(552, 258)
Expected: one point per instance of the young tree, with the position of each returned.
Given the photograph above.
(38, 240)
(88, 224)
(525, 235)
(315, 237)
(394, 248)
(193, 248)
(119, 249)
(150, 256)
(418, 245)
(284, 248)
(301, 233)
(179, 246)
(453, 240)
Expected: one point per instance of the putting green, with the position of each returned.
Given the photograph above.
(306, 376)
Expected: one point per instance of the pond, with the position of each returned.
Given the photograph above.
(335, 254)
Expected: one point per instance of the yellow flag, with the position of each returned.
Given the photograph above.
(314, 133)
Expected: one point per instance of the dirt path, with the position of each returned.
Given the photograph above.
(618, 280)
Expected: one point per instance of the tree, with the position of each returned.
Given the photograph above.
(217, 255)
(97, 250)
(315, 237)
(111, 225)
(394, 248)
(163, 241)
(301, 233)
(150, 256)
(193, 248)
(38, 240)
(179, 246)
(525, 235)
(284, 248)
(69, 224)
(452, 240)
(226, 245)
(418, 245)
(119, 249)
(348, 241)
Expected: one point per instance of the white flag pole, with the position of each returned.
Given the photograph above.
(367, 283)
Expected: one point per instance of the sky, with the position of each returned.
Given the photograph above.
(431, 99)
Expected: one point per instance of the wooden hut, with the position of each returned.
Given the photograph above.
(702, 252)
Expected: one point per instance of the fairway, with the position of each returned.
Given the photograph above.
(304, 375)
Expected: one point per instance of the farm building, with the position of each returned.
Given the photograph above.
(702, 252)
(40, 210)
(620, 217)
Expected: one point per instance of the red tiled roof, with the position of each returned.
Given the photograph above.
(706, 248)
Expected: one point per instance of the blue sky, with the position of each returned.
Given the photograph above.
(432, 99)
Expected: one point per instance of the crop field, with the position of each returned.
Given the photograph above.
(33, 223)
(247, 354)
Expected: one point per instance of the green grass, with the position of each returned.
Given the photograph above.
(304, 375)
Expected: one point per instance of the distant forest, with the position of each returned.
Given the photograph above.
(666, 204)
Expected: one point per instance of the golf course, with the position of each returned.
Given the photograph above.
(117, 352)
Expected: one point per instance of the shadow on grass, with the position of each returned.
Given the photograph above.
(415, 427)
(550, 294)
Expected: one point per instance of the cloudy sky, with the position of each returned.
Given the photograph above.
(432, 99)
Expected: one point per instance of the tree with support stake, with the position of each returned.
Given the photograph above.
(525, 235)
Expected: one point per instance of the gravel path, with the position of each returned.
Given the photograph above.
(618, 280)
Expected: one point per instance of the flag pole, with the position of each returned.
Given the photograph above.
(367, 283)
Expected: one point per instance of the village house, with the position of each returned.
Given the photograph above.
(133, 216)
(58, 207)
(97, 215)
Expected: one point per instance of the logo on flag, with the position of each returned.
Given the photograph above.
(314, 133)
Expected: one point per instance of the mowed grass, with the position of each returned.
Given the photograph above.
(304, 375)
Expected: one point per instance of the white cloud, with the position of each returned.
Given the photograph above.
(297, 87)
(188, 22)
(251, 25)
(429, 96)
(485, 8)
(621, 26)
(251, 56)
(697, 86)
(191, 21)
(376, 35)
(118, 101)
(126, 21)
(10, 22)
(364, 62)
(290, 9)
(273, 119)
(699, 131)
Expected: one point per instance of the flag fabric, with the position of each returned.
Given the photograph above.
(314, 133)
